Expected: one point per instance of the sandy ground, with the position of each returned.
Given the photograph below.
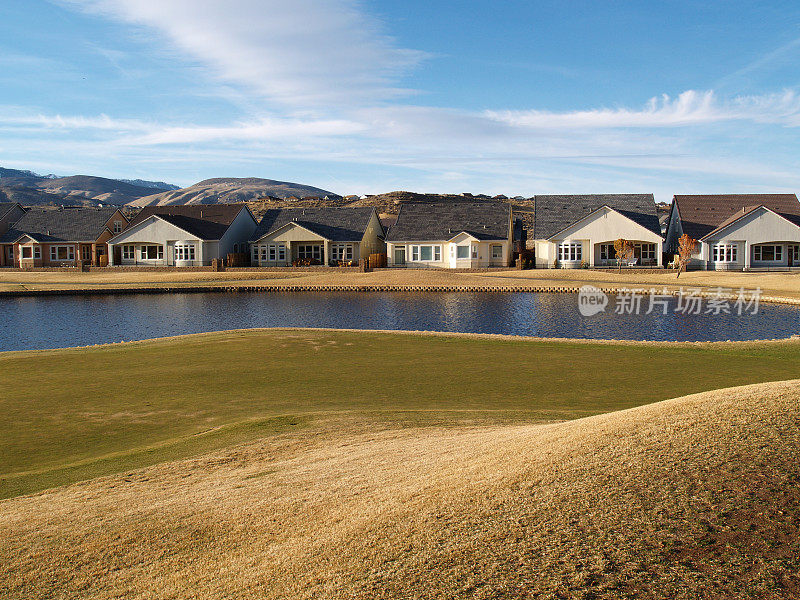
(775, 284)
(690, 498)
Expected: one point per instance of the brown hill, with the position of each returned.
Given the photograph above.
(73, 190)
(228, 190)
(697, 497)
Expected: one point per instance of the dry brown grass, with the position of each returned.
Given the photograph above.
(690, 498)
(779, 284)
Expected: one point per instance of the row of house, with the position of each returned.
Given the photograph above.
(738, 231)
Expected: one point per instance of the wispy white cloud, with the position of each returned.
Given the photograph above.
(299, 53)
(689, 108)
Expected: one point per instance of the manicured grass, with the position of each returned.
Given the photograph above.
(69, 415)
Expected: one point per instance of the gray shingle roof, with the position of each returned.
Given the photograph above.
(7, 207)
(701, 214)
(205, 221)
(336, 224)
(435, 221)
(556, 212)
(60, 225)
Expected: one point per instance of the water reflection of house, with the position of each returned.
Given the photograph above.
(571, 231)
(321, 236)
(61, 237)
(452, 235)
(738, 231)
(183, 235)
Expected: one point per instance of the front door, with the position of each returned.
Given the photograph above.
(794, 255)
(400, 256)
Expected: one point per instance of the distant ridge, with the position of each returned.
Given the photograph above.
(32, 189)
(228, 190)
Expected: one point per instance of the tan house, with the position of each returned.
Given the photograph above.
(184, 235)
(571, 231)
(451, 235)
(738, 231)
(316, 236)
(61, 237)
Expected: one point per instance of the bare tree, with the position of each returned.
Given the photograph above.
(625, 250)
(686, 247)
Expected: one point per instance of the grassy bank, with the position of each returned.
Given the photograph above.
(70, 415)
(774, 284)
(686, 499)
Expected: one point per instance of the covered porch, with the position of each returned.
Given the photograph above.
(645, 254)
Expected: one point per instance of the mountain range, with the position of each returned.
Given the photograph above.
(31, 189)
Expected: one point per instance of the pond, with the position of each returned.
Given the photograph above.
(63, 321)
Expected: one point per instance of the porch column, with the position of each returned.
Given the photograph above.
(747, 255)
(659, 254)
(325, 252)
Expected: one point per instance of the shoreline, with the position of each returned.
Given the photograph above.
(501, 337)
(378, 288)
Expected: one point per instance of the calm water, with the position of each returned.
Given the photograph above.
(54, 322)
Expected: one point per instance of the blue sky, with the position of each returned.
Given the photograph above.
(372, 96)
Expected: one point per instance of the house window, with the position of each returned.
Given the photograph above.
(608, 252)
(37, 252)
(426, 253)
(313, 251)
(152, 252)
(86, 253)
(62, 253)
(462, 251)
(255, 253)
(184, 252)
(117, 227)
(274, 252)
(768, 253)
(128, 252)
(27, 252)
(647, 252)
(497, 252)
(342, 252)
(570, 251)
(724, 253)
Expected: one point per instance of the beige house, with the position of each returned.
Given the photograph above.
(571, 231)
(183, 235)
(316, 236)
(738, 231)
(451, 235)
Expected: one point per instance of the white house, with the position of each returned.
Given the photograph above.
(571, 231)
(738, 231)
(316, 236)
(451, 235)
(183, 235)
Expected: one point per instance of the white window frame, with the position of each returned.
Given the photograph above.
(128, 252)
(499, 249)
(22, 252)
(758, 253)
(310, 251)
(117, 227)
(146, 247)
(570, 252)
(459, 250)
(342, 251)
(608, 252)
(647, 251)
(435, 249)
(70, 253)
(725, 253)
(37, 251)
(185, 251)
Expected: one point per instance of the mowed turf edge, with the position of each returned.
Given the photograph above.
(74, 414)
